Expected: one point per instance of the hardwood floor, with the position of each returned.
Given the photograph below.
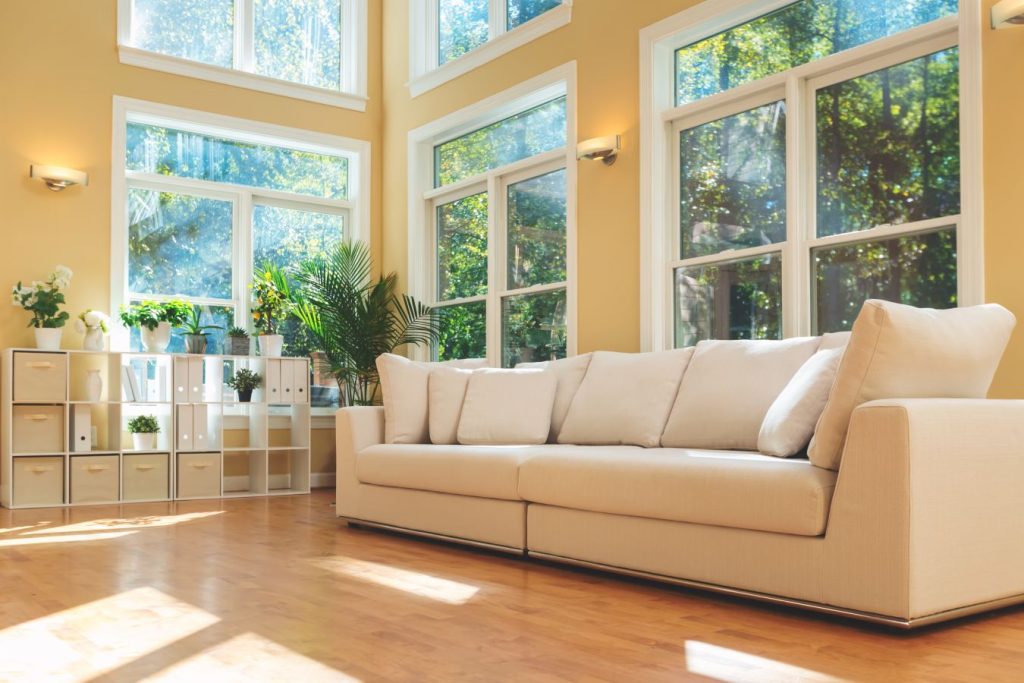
(278, 589)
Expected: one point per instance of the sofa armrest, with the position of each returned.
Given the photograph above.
(356, 428)
(931, 492)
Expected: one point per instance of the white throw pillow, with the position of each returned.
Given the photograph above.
(789, 424)
(625, 398)
(403, 386)
(728, 388)
(446, 390)
(507, 407)
(570, 373)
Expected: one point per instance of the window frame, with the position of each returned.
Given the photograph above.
(661, 121)
(352, 93)
(424, 198)
(425, 72)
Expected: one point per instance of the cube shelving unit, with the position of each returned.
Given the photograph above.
(61, 447)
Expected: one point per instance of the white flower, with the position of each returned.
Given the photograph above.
(31, 300)
(39, 286)
(63, 272)
(93, 318)
(16, 298)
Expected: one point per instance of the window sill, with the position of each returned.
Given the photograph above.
(491, 50)
(240, 79)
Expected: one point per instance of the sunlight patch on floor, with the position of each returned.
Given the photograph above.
(16, 529)
(82, 642)
(415, 583)
(67, 538)
(133, 523)
(250, 657)
(733, 666)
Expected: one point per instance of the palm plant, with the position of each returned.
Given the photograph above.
(354, 318)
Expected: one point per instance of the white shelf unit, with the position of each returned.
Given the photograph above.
(58, 448)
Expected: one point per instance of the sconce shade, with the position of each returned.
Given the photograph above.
(1008, 13)
(604, 148)
(57, 178)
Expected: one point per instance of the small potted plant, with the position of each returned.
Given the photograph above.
(239, 341)
(144, 429)
(244, 382)
(195, 331)
(94, 326)
(271, 306)
(43, 300)
(155, 320)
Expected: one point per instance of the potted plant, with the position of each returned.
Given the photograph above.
(195, 331)
(43, 300)
(93, 325)
(244, 381)
(144, 429)
(272, 305)
(239, 341)
(155, 320)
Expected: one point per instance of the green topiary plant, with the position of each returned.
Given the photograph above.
(143, 424)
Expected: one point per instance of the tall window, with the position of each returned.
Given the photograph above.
(204, 204)
(815, 159)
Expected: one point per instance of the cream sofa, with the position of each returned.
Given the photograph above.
(922, 522)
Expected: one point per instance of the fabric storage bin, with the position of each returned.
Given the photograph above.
(198, 475)
(94, 479)
(39, 481)
(145, 476)
(40, 376)
(38, 429)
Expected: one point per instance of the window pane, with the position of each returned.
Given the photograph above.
(521, 11)
(530, 132)
(155, 149)
(179, 244)
(533, 327)
(536, 231)
(200, 30)
(796, 34)
(889, 146)
(299, 41)
(221, 316)
(918, 270)
(462, 26)
(736, 300)
(732, 190)
(462, 248)
(463, 331)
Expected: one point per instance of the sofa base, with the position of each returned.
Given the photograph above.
(507, 550)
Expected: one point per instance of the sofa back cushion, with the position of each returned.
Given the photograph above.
(507, 407)
(898, 351)
(728, 388)
(625, 398)
(789, 424)
(446, 391)
(569, 373)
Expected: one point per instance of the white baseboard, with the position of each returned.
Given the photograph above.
(322, 480)
(317, 480)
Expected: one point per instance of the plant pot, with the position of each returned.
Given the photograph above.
(144, 441)
(48, 338)
(270, 345)
(239, 346)
(93, 339)
(195, 343)
(156, 340)
(244, 396)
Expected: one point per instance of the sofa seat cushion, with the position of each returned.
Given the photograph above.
(722, 488)
(483, 471)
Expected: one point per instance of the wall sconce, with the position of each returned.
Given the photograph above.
(58, 178)
(1008, 13)
(605, 148)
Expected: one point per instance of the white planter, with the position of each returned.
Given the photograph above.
(144, 441)
(156, 341)
(270, 345)
(48, 338)
(93, 386)
(93, 339)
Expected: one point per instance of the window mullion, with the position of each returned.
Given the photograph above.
(245, 27)
(795, 254)
(495, 235)
(495, 18)
(243, 255)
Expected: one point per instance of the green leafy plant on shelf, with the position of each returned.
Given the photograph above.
(44, 299)
(272, 300)
(143, 424)
(244, 381)
(195, 331)
(149, 314)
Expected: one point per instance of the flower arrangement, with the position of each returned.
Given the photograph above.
(272, 298)
(94, 325)
(44, 299)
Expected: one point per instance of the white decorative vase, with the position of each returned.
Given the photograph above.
(144, 441)
(48, 338)
(93, 386)
(156, 340)
(270, 345)
(93, 339)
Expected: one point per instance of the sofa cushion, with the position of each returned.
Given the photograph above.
(446, 391)
(625, 398)
(569, 372)
(728, 388)
(789, 424)
(721, 488)
(898, 351)
(507, 407)
(481, 471)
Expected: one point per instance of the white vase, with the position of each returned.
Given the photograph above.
(270, 345)
(48, 338)
(93, 339)
(144, 441)
(93, 386)
(156, 340)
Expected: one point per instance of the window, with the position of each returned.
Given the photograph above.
(204, 199)
(814, 161)
(310, 49)
(450, 37)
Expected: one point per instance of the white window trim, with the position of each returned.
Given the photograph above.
(424, 72)
(351, 95)
(658, 187)
(423, 195)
